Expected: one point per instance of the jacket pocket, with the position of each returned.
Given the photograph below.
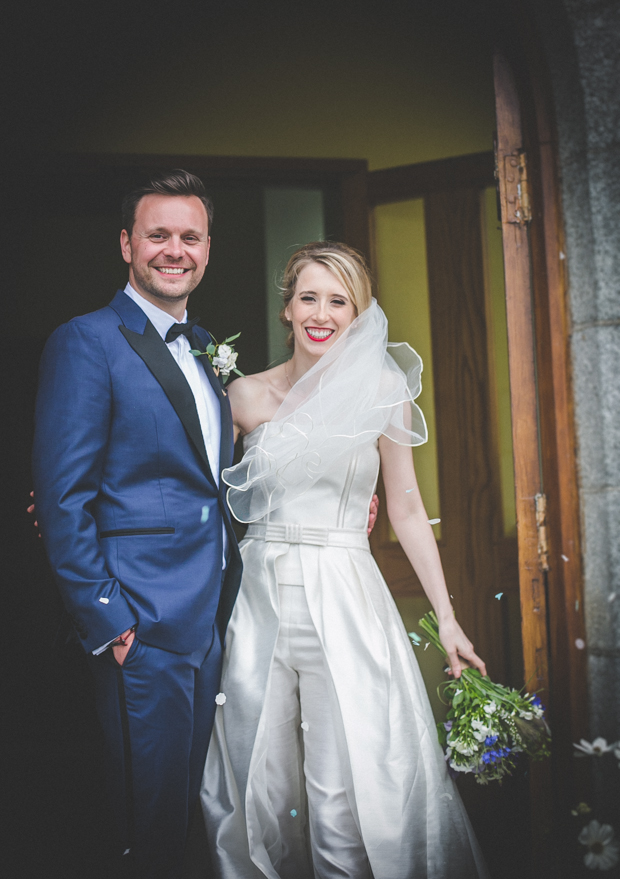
(135, 532)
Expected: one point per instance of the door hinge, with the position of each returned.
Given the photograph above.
(514, 188)
(541, 527)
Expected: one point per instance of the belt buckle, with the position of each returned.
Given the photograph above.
(293, 533)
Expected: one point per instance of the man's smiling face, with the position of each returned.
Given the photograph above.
(168, 249)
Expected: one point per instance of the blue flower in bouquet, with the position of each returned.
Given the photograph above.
(490, 740)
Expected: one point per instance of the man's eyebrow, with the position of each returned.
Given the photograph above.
(165, 229)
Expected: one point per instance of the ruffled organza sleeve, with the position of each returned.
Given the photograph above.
(360, 389)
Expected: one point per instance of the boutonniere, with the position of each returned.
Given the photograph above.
(222, 357)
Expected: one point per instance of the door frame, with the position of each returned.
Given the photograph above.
(348, 176)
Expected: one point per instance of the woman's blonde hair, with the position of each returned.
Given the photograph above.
(346, 264)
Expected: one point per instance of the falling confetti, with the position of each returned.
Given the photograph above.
(294, 813)
(446, 795)
(426, 645)
(408, 490)
(220, 699)
(564, 558)
(415, 638)
(499, 595)
(434, 521)
(204, 516)
(580, 643)
(612, 596)
(305, 726)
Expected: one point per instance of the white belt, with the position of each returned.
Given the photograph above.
(290, 533)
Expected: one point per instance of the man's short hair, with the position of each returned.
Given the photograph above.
(177, 182)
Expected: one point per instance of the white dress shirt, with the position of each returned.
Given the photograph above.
(207, 404)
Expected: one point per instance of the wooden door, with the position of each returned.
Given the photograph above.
(478, 558)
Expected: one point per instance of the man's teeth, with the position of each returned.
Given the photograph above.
(319, 334)
(170, 271)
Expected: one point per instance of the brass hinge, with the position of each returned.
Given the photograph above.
(541, 527)
(514, 188)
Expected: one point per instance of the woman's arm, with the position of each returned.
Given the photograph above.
(410, 523)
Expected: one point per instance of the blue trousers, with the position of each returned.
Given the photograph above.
(157, 712)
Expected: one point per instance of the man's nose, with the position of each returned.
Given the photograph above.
(174, 247)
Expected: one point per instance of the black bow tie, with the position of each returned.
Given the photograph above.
(177, 330)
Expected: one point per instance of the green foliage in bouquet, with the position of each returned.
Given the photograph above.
(488, 725)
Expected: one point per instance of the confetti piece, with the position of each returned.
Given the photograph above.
(564, 558)
(408, 490)
(415, 638)
(104, 600)
(305, 726)
(426, 645)
(499, 595)
(220, 699)
(612, 596)
(452, 597)
(294, 813)
(204, 516)
(580, 643)
(446, 795)
(434, 521)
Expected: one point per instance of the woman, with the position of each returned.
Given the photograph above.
(324, 759)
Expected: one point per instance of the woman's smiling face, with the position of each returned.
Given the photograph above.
(320, 311)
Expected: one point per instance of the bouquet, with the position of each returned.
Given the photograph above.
(488, 725)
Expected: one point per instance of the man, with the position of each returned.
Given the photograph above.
(132, 432)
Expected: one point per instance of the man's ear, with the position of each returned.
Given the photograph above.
(208, 250)
(126, 246)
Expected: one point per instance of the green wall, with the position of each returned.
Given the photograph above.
(391, 83)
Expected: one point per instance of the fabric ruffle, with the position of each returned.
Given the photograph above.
(362, 388)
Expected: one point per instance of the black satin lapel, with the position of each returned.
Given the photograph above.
(226, 429)
(153, 350)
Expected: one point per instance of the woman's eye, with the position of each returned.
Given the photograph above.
(339, 302)
(307, 298)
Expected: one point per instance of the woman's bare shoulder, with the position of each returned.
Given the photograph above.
(256, 398)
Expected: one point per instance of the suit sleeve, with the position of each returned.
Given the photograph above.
(73, 416)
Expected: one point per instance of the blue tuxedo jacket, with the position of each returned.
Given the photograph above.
(129, 511)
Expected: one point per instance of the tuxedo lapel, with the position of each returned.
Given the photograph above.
(150, 346)
(226, 428)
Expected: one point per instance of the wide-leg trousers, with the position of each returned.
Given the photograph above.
(157, 712)
(307, 770)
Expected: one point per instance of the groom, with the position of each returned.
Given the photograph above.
(132, 433)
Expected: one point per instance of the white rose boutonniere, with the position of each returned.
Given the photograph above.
(223, 357)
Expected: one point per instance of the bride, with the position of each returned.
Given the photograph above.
(324, 760)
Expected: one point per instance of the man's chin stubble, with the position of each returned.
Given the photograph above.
(157, 293)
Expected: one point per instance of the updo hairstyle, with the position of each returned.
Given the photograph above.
(346, 264)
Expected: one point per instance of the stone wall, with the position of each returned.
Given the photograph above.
(582, 41)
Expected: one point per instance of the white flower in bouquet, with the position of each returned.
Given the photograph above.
(602, 847)
(594, 749)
